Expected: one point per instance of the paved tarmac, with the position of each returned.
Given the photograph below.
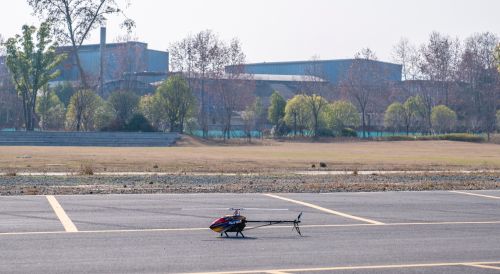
(389, 232)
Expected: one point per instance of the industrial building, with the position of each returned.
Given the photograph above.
(333, 71)
(116, 66)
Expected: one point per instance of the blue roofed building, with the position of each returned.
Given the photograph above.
(333, 71)
(125, 66)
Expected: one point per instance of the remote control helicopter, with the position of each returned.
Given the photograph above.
(237, 223)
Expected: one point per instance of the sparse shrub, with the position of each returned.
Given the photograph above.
(281, 129)
(11, 173)
(86, 169)
(323, 165)
(461, 137)
(139, 123)
(397, 138)
(349, 132)
(325, 132)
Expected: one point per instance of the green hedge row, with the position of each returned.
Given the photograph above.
(461, 137)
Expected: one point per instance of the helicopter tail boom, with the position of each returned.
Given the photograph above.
(295, 223)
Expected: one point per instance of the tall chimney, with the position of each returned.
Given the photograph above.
(101, 71)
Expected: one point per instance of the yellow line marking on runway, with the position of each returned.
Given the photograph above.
(326, 210)
(475, 194)
(484, 266)
(269, 227)
(61, 214)
(364, 267)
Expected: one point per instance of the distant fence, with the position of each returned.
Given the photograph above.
(104, 139)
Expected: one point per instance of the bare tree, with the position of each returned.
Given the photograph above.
(366, 54)
(234, 91)
(202, 58)
(478, 72)
(74, 20)
(123, 61)
(440, 58)
(2, 47)
(365, 79)
(315, 89)
(407, 55)
(249, 118)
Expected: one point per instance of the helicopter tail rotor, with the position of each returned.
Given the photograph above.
(296, 223)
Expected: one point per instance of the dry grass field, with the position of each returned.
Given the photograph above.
(269, 157)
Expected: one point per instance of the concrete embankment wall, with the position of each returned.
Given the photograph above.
(105, 139)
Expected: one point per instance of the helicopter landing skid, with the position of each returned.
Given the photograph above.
(227, 236)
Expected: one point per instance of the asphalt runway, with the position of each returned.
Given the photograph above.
(389, 232)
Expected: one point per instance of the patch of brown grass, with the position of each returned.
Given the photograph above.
(275, 157)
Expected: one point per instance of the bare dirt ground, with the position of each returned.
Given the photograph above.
(193, 155)
(50, 185)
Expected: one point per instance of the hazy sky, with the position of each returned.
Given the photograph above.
(280, 30)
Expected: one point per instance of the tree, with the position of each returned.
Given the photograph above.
(150, 106)
(125, 104)
(249, 116)
(407, 55)
(177, 99)
(410, 112)
(104, 116)
(393, 117)
(498, 121)
(276, 110)
(11, 115)
(440, 60)
(343, 114)
(363, 81)
(366, 54)
(497, 57)
(233, 91)
(478, 73)
(32, 64)
(201, 57)
(139, 123)
(2, 47)
(402, 116)
(443, 119)
(260, 115)
(232, 94)
(86, 104)
(51, 111)
(297, 115)
(423, 104)
(74, 20)
(316, 106)
(64, 91)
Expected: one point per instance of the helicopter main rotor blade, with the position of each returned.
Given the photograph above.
(227, 208)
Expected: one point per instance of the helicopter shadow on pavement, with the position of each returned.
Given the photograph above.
(217, 239)
(257, 238)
